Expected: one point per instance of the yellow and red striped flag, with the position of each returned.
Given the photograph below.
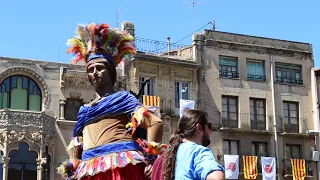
(151, 100)
(250, 167)
(298, 169)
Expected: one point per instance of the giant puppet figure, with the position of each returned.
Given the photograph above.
(104, 145)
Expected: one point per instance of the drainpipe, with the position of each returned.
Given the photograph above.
(274, 118)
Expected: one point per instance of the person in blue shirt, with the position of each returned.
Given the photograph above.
(187, 156)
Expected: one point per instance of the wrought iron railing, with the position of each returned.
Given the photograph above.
(257, 122)
(289, 127)
(286, 80)
(229, 120)
(251, 77)
(155, 47)
(229, 74)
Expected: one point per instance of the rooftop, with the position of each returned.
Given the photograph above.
(242, 39)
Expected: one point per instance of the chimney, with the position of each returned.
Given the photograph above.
(129, 27)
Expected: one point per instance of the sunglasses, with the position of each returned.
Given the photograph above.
(209, 125)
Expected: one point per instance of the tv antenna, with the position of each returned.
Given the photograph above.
(214, 27)
(192, 2)
(118, 14)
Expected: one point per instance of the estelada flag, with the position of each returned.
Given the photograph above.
(250, 167)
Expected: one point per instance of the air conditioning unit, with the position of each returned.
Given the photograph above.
(315, 155)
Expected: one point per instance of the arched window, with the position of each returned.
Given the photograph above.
(22, 163)
(20, 92)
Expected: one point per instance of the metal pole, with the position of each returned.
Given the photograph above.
(274, 118)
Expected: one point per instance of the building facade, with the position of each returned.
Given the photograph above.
(315, 84)
(250, 85)
(39, 103)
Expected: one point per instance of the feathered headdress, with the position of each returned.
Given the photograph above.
(101, 41)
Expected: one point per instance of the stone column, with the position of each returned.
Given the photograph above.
(5, 166)
(40, 160)
(62, 103)
(5, 157)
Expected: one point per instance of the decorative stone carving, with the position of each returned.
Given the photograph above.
(183, 74)
(5, 161)
(33, 137)
(40, 161)
(74, 79)
(148, 69)
(165, 71)
(75, 95)
(31, 126)
(13, 145)
(33, 75)
(34, 147)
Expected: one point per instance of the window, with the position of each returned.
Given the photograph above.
(149, 88)
(182, 91)
(258, 114)
(229, 112)
(288, 73)
(290, 117)
(293, 151)
(22, 163)
(72, 107)
(228, 67)
(259, 149)
(231, 147)
(255, 70)
(20, 92)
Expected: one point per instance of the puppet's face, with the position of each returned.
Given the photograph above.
(98, 74)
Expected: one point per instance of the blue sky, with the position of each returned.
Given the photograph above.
(35, 29)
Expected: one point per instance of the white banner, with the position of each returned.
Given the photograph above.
(186, 105)
(231, 165)
(268, 165)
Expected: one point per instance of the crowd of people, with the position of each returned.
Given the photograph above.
(105, 143)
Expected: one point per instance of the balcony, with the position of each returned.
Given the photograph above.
(287, 168)
(21, 122)
(251, 77)
(156, 47)
(290, 127)
(285, 80)
(228, 74)
(257, 122)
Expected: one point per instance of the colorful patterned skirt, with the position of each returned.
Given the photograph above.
(117, 161)
(132, 172)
